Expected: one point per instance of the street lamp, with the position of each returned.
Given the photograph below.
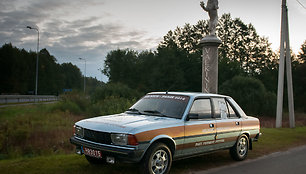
(84, 73)
(36, 81)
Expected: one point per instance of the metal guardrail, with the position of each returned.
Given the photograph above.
(4, 99)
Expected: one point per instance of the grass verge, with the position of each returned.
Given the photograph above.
(273, 140)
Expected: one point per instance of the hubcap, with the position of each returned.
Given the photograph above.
(242, 146)
(159, 162)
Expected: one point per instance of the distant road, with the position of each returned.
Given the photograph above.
(6, 99)
(289, 162)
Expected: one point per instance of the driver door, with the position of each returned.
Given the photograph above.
(200, 128)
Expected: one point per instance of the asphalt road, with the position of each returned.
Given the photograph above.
(292, 161)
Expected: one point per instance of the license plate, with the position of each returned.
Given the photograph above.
(92, 152)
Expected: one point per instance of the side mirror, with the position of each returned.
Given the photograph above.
(192, 116)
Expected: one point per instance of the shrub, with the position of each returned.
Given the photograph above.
(111, 105)
(74, 102)
(116, 90)
(251, 95)
(67, 106)
(269, 107)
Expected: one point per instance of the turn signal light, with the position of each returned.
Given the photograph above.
(132, 140)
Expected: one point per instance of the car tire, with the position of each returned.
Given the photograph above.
(95, 161)
(158, 159)
(240, 150)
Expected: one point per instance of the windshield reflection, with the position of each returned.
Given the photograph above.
(161, 105)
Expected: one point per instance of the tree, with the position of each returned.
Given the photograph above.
(299, 80)
(72, 76)
(17, 72)
(177, 62)
(251, 96)
(120, 66)
(302, 53)
(240, 42)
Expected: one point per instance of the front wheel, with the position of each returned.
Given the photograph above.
(240, 150)
(157, 160)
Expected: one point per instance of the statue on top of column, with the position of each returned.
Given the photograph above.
(211, 8)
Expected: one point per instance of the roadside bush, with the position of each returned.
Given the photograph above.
(116, 90)
(67, 106)
(269, 107)
(250, 94)
(110, 105)
(75, 103)
(81, 100)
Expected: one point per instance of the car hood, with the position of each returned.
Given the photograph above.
(127, 123)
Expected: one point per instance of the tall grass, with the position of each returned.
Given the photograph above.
(34, 130)
(45, 129)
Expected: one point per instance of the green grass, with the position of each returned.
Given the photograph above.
(271, 141)
(280, 139)
(35, 139)
(60, 164)
(35, 130)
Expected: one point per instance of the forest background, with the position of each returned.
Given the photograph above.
(248, 70)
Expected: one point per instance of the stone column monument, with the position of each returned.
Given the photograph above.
(210, 45)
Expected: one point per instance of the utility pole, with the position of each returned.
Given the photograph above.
(285, 57)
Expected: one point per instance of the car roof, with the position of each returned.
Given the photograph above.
(191, 94)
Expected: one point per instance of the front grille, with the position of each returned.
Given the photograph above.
(98, 137)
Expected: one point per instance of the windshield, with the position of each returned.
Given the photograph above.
(161, 105)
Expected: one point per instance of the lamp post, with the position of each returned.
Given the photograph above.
(36, 81)
(84, 75)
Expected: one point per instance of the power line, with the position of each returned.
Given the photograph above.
(301, 4)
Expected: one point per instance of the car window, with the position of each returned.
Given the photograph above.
(220, 108)
(232, 113)
(240, 112)
(201, 107)
(161, 105)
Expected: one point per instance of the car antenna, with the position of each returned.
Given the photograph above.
(170, 88)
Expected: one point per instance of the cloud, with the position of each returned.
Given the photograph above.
(68, 30)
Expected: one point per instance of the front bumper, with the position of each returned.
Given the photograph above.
(121, 153)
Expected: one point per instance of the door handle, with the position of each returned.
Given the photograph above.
(237, 123)
(211, 125)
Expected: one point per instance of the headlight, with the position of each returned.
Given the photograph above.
(124, 139)
(79, 131)
(119, 139)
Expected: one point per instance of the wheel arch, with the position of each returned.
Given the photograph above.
(167, 140)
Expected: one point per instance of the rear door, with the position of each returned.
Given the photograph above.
(228, 123)
(200, 130)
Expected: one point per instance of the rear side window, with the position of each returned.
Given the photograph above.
(201, 107)
(232, 113)
(240, 112)
(220, 108)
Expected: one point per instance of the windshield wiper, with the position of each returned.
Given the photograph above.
(155, 112)
(134, 110)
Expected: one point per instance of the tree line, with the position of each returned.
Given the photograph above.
(17, 73)
(248, 68)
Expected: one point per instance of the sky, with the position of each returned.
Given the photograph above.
(73, 29)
